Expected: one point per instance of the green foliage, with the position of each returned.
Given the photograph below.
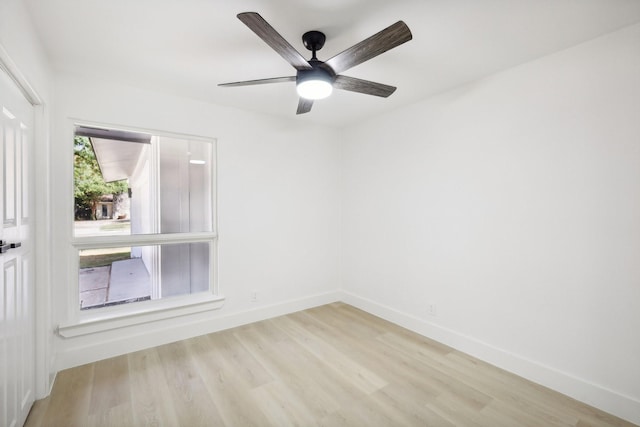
(89, 185)
(101, 260)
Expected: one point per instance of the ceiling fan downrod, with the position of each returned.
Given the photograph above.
(313, 40)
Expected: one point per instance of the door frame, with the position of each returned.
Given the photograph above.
(44, 373)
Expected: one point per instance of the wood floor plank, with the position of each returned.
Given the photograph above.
(456, 410)
(228, 390)
(113, 416)
(474, 396)
(281, 406)
(191, 400)
(332, 365)
(37, 413)
(519, 394)
(355, 373)
(491, 385)
(110, 391)
(362, 412)
(70, 398)
(407, 407)
(396, 365)
(239, 360)
(291, 365)
(151, 399)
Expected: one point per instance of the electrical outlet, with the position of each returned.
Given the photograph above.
(254, 296)
(432, 310)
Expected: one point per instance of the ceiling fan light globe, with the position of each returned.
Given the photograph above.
(314, 89)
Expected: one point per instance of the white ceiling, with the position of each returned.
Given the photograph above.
(187, 47)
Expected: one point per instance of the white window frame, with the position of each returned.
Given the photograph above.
(81, 322)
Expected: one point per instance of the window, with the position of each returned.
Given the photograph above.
(143, 220)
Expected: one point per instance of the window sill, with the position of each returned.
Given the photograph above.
(152, 311)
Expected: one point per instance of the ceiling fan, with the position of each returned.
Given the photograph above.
(316, 79)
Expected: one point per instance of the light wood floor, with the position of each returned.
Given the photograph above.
(329, 366)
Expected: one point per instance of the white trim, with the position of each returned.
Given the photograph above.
(154, 181)
(154, 132)
(7, 64)
(91, 242)
(159, 333)
(592, 394)
(139, 313)
(40, 215)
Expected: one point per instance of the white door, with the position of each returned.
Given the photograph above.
(17, 316)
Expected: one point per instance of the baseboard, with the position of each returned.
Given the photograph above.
(600, 397)
(89, 350)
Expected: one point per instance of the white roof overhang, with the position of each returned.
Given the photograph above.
(117, 152)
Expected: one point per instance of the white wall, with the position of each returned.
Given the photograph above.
(278, 209)
(513, 205)
(18, 38)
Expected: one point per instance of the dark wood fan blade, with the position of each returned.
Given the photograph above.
(266, 32)
(363, 86)
(378, 43)
(260, 81)
(304, 105)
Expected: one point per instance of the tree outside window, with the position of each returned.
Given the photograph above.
(89, 185)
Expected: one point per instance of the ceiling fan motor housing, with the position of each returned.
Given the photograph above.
(319, 72)
(316, 83)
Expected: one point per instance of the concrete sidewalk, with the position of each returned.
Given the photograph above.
(129, 279)
(124, 280)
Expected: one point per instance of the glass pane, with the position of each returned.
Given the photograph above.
(132, 185)
(112, 276)
(185, 185)
(101, 188)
